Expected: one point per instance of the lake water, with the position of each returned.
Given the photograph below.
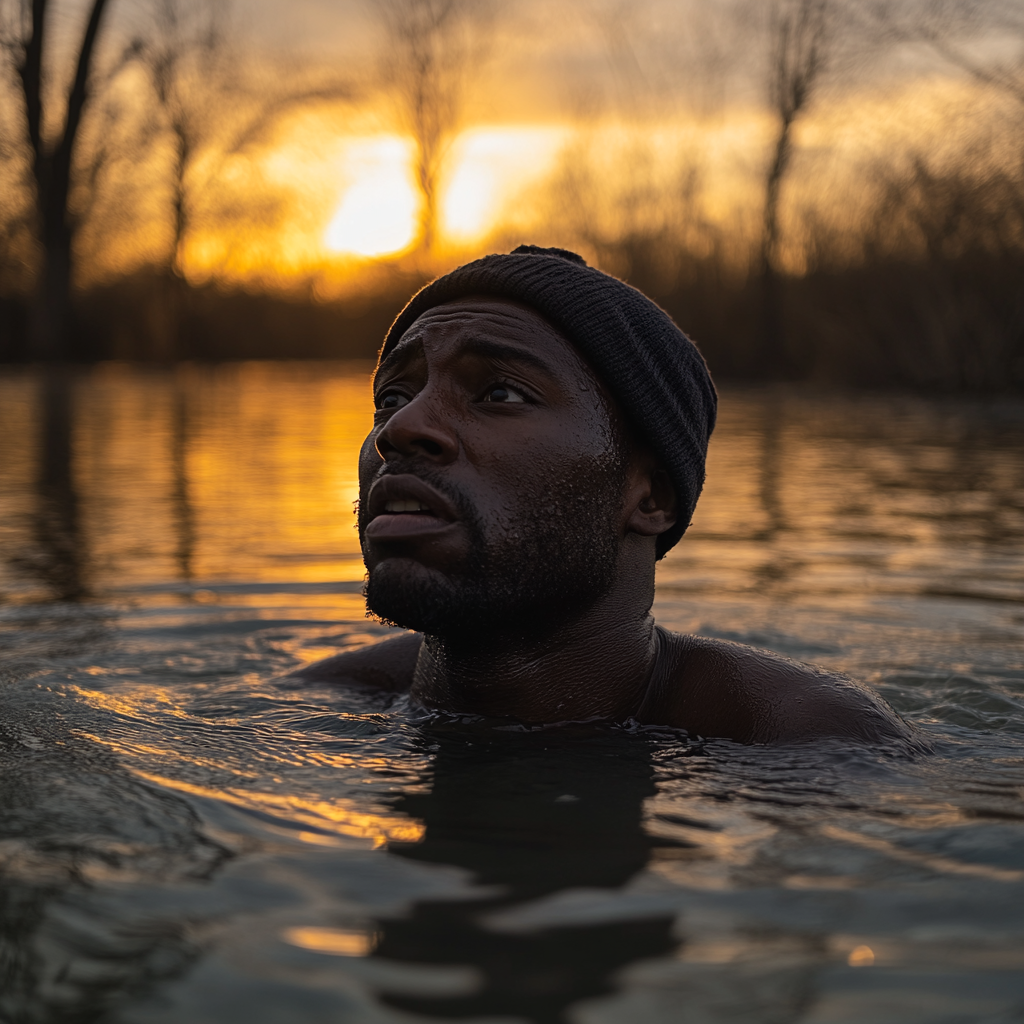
(184, 837)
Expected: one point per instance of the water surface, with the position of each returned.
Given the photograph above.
(186, 837)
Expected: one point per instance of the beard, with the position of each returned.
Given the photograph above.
(551, 558)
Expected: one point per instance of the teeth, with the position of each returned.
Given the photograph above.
(405, 506)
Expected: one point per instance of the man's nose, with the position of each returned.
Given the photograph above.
(419, 428)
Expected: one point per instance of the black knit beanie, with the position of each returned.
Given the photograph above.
(651, 368)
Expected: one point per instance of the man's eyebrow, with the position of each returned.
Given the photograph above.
(399, 353)
(500, 351)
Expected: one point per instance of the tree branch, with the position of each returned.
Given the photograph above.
(30, 71)
(79, 89)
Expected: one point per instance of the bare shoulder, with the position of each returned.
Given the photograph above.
(716, 688)
(387, 665)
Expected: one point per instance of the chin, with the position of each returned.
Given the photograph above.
(465, 609)
(403, 592)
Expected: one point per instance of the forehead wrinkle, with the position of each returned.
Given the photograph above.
(471, 316)
(471, 338)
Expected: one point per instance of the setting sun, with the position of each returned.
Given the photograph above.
(491, 166)
(379, 209)
(377, 214)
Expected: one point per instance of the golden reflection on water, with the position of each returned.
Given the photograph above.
(221, 484)
(333, 941)
(241, 472)
(335, 822)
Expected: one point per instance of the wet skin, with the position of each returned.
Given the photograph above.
(486, 416)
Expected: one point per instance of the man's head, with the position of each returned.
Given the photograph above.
(507, 483)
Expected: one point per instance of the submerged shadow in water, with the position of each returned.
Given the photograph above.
(181, 503)
(57, 559)
(529, 815)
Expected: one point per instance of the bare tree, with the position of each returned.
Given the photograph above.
(52, 154)
(208, 115)
(204, 108)
(431, 49)
(184, 55)
(798, 52)
(15, 210)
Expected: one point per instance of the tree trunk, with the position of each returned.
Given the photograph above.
(772, 359)
(798, 33)
(51, 316)
(168, 341)
(51, 336)
(429, 143)
(428, 212)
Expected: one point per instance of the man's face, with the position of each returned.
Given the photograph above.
(491, 486)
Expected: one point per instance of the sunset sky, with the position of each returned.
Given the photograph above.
(636, 95)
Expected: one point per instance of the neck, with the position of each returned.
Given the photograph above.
(595, 666)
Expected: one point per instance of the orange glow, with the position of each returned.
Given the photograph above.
(333, 941)
(339, 818)
(379, 210)
(327, 195)
(377, 214)
(862, 956)
(295, 492)
(492, 166)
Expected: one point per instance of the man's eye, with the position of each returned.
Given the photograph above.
(503, 393)
(391, 400)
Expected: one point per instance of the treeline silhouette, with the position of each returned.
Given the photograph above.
(928, 294)
(933, 300)
(129, 319)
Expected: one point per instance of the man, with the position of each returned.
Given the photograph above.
(538, 443)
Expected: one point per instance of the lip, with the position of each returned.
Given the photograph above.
(395, 526)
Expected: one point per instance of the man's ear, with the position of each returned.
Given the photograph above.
(652, 499)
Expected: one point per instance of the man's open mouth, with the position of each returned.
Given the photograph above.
(405, 507)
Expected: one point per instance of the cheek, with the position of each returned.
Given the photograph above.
(523, 468)
(582, 435)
